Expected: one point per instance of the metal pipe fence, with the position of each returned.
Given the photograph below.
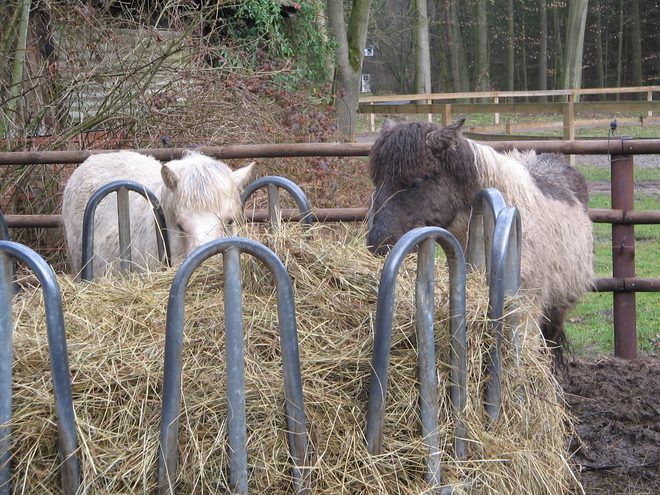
(623, 283)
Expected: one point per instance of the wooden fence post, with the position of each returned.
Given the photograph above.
(569, 126)
(446, 115)
(372, 121)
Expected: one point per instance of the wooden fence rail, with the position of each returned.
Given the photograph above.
(622, 216)
(448, 104)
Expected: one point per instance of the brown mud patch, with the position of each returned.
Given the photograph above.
(616, 404)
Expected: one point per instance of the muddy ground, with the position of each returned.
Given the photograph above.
(616, 402)
(617, 407)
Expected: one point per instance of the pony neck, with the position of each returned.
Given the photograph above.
(505, 172)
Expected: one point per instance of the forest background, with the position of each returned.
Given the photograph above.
(112, 74)
(73, 66)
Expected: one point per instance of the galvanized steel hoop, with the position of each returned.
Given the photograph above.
(162, 240)
(65, 418)
(231, 248)
(425, 238)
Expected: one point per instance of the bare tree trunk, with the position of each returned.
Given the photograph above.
(322, 23)
(439, 65)
(349, 52)
(18, 68)
(422, 48)
(452, 53)
(619, 63)
(600, 63)
(636, 42)
(577, 20)
(559, 48)
(523, 54)
(458, 47)
(481, 62)
(511, 36)
(543, 48)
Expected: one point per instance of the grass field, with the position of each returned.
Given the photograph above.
(590, 326)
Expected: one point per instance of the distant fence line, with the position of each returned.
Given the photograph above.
(624, 284)
(444, 104)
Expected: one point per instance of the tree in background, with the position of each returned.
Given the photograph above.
(350, 41)
(422, 48)
(513, 45)
(481, 54)
(577, 21)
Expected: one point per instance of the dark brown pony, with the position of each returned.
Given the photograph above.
(428, 175)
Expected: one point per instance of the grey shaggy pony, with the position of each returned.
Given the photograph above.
(428, 175)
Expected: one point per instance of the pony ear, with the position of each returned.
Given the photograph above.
(388, 124)
(170, 177)
(445, 137)
(241, 175)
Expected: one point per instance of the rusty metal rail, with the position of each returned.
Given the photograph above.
(622, 214)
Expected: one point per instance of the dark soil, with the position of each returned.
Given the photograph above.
(616, 404)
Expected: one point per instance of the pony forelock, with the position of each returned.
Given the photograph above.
(400, 154)
(205, 184)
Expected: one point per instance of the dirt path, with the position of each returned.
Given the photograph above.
(617, 406)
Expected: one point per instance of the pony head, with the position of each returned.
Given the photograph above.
(201, 201)
(423, 174)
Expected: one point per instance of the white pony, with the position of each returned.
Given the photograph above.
(200, 197)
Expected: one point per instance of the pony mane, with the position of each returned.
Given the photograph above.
(205, 184)
(506, 172)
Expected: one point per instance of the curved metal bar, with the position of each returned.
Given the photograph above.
(66, 429)
(504, 281)
(231, 247)
(425, 237)
(162, 240)
(480, 233)
(291, 187)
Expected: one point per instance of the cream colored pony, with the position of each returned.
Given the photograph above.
(200, 197)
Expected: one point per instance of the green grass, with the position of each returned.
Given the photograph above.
(594, 172)
(590, 325)
(651, 130)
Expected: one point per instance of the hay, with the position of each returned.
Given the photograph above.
(115, 332)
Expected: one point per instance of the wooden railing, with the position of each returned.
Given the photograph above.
(448, 104)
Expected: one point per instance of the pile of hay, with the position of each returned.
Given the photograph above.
(115, 332)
